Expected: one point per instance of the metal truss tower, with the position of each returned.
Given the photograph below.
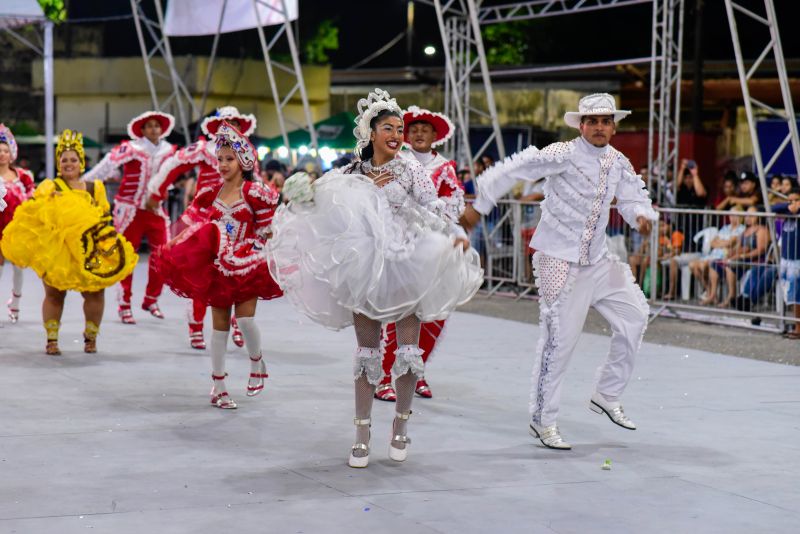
(180, 99)
(665, 93)
(774, 50)
(464, 55)
(294, 70)
(460, 22)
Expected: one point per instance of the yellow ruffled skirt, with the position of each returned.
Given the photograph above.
(69, 241)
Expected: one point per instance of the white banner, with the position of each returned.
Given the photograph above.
(201, 17)
(20, 12)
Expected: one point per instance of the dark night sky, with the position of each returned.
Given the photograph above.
(366, 25)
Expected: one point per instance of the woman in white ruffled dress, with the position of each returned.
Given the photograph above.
(368, 244)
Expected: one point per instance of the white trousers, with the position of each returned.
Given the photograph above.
(567, 290)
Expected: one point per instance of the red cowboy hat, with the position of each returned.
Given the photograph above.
(166, 120)
(441, 124)
(226, 113)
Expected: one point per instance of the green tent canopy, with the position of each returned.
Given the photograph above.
(334, 132)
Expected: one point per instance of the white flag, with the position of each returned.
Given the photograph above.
(201, 17)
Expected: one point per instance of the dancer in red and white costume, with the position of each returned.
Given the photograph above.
(201, 156)
(140, 159)
(227, 257)
(424, 130)
(19, 187)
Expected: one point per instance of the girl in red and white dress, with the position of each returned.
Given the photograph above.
(227, 257)
(19, 187)
(202, 157)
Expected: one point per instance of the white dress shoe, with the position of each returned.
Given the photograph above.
(613, 410)
(550, 437)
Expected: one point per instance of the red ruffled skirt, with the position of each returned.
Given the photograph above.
(196, 267)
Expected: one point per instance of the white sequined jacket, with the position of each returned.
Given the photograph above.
(582, 180)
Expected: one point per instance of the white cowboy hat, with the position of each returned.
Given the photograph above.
(596, 104)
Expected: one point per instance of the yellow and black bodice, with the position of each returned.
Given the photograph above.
(67, 237)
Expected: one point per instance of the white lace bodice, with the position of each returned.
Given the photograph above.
(410, 182)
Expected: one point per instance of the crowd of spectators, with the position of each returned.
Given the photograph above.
(730, 259)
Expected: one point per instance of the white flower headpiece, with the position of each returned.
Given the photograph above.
(368, 108)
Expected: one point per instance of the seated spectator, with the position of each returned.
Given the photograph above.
(775, 196)
(747, 196)
(790, 259)
(730, 188)
(749, 251)
(720, 246)
(787, 186)
(670, 242)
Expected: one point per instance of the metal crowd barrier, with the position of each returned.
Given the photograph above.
(700, 273)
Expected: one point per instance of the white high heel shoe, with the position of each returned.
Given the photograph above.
(400, 455)
(360, 461)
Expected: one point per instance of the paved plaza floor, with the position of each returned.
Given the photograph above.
(125, 441)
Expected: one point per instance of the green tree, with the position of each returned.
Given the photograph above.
(506, 43)
(54, 10)
(325, 39)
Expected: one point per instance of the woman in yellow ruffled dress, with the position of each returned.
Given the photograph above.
(65, 234)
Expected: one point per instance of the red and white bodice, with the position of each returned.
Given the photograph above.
(244, 226)
(140, 161)
(199, 155)
(20, 188)
(443, 174)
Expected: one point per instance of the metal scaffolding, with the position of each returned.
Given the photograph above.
(286, 31)
(547, 8)
(464, 55)
(460, 22)
(773, 48)
(665, 94)
(45, 49)
(180, 98)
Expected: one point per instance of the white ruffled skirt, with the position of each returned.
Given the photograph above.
(349, 252)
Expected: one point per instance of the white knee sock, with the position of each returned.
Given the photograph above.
(252, 338)
(17, 288)
(219, 345)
